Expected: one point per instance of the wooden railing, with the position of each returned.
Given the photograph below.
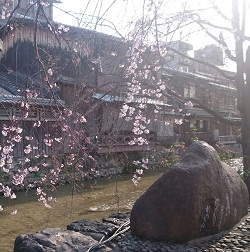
(123, 142)
(201, 136)
(167, 140)
(228, 139)
(229, 109)
(208, 137)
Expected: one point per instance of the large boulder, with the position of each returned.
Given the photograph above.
(247, 182)
(198, 196)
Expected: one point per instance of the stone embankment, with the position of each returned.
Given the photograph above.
(236, 239)
(64, 178)
(85, 234)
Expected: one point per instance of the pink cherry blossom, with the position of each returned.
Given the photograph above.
(14, 212)
(28, 149)
(37, 124)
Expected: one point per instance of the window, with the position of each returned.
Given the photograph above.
(165, 118)
(192, 124)
(189, 92)
(229, 100)
(200, 125)
(183, 68)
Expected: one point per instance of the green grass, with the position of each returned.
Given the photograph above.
(100, 195)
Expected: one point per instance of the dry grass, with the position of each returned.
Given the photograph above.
(91, 200)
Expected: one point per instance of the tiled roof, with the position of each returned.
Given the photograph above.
(114, 98)
(210, 79)
(16, 84)
(11, 83)
(14, 99)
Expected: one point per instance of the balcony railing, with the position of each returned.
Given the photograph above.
(201, 136)
(229, 109)
(123, 143)
(228, 139)
(185, 62)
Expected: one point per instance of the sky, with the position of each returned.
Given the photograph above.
(114, 13)
(118, 17)
(118, 12)
(121, 15)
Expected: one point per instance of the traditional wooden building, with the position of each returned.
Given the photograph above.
(66, 69)
(52, 68)
(199, 82)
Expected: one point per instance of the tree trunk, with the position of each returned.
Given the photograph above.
(245, 121)
(245, 134)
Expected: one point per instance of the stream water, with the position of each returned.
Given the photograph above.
(93, 199)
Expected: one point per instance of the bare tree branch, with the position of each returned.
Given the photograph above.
(218, 11)
(219, 41)
(212, 112)
(205, 22)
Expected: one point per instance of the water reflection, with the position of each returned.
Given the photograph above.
(105, 207)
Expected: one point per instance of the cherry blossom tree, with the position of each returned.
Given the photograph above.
(136, 63)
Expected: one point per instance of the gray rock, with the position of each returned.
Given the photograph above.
(91, 226)
(198, 196)
(55, 240)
